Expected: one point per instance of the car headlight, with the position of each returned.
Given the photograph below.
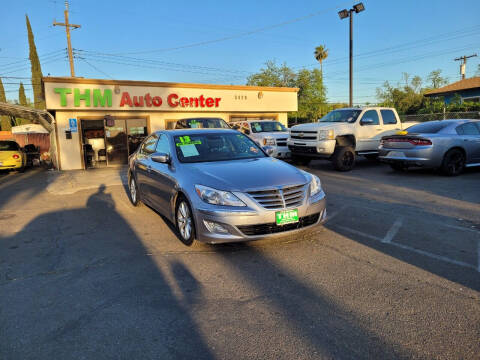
(217, 197)
(326, 135)
(268, 141)
(315, 185)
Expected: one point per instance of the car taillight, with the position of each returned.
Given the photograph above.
(420, 142)
(16, 156)
(413, 141)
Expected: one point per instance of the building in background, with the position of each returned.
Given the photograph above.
(467, 89)
(101, 122)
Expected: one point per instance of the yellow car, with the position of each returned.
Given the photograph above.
(12, 156)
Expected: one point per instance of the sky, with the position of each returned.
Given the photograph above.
(222, 42)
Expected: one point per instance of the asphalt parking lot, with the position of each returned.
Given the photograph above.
(394, 273)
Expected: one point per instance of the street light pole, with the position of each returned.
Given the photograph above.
(351, 59)
(344, 14)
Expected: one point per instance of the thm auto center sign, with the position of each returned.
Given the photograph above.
(98, 98)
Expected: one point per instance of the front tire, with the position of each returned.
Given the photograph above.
(184, 221)
(343, 158)
(133, 191)
(453, 163)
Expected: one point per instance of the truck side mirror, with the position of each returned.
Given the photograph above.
(247, 132)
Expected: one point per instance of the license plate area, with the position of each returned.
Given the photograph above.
(286, 217)
(396, 154)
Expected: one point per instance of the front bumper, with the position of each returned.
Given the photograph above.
(258, 224)
(281, 152)
(421, 156)
(319, 148)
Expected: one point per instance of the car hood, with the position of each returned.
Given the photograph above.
(244, 175)
(317, 126)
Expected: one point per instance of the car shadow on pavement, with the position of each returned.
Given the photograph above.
(317, 319)
(78, 283)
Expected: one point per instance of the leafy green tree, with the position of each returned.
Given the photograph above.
(436, 79)
(407, 99)
(321, 54)
(273, 75)
(38, 96)
(4, 120)
(22, 99)
(311, 94)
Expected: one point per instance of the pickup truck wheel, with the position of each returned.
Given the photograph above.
(453, 163)
(343, 158)
(300, 160)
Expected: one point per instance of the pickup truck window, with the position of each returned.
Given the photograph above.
(349, 116)
(267, 126)
(388, 117)
(372, 114)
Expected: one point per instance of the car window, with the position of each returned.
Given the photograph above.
(467, 129)
(388, 117)
(216, 147)
(149, 145)
(9, 146)
(163, 145)
(345, 115)
(430, 127)
(267, 126)
(372, 114)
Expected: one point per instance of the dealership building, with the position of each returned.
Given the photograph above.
(101, 122)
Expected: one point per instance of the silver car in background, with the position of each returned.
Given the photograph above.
(448, 145)
(219, 186)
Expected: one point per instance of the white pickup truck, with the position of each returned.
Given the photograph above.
(342, 134)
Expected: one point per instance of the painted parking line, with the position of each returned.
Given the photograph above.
(418, 251)
(394, 230)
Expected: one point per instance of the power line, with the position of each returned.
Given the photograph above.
(238, 35)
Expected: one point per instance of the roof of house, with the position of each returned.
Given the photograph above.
(470, 83)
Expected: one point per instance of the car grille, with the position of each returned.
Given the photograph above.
(303, 135)
(272, 228)
(282, 142)
(303, 149)
(286, 197)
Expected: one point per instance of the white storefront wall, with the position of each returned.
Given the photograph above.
(157, 102)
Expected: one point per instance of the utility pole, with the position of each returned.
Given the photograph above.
(69, 43)
(463, 65)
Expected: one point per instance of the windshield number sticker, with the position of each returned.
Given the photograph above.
(185, 140)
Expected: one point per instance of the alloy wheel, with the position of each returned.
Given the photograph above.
(184, 220)
(133, 190)
(347, 159)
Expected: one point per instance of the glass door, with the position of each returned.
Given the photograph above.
(116, 140)
(136, 132)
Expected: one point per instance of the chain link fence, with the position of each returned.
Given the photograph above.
(440, 116)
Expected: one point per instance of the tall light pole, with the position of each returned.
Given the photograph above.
(343, 15)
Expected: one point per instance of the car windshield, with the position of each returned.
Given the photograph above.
(215, 147)
(8, 146)
(430, 127)
(267, 126)
(207, 123)
(349, 116)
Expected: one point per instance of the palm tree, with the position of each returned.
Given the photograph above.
(321, 53)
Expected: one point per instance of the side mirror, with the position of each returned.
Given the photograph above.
(366, 121)
(161, 158)
(247, 132)
(269, 150)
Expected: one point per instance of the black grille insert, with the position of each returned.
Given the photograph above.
(272, 228)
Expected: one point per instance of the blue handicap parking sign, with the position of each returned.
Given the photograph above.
(73, 125)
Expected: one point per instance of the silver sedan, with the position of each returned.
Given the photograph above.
(219, 186)
(448, 145)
